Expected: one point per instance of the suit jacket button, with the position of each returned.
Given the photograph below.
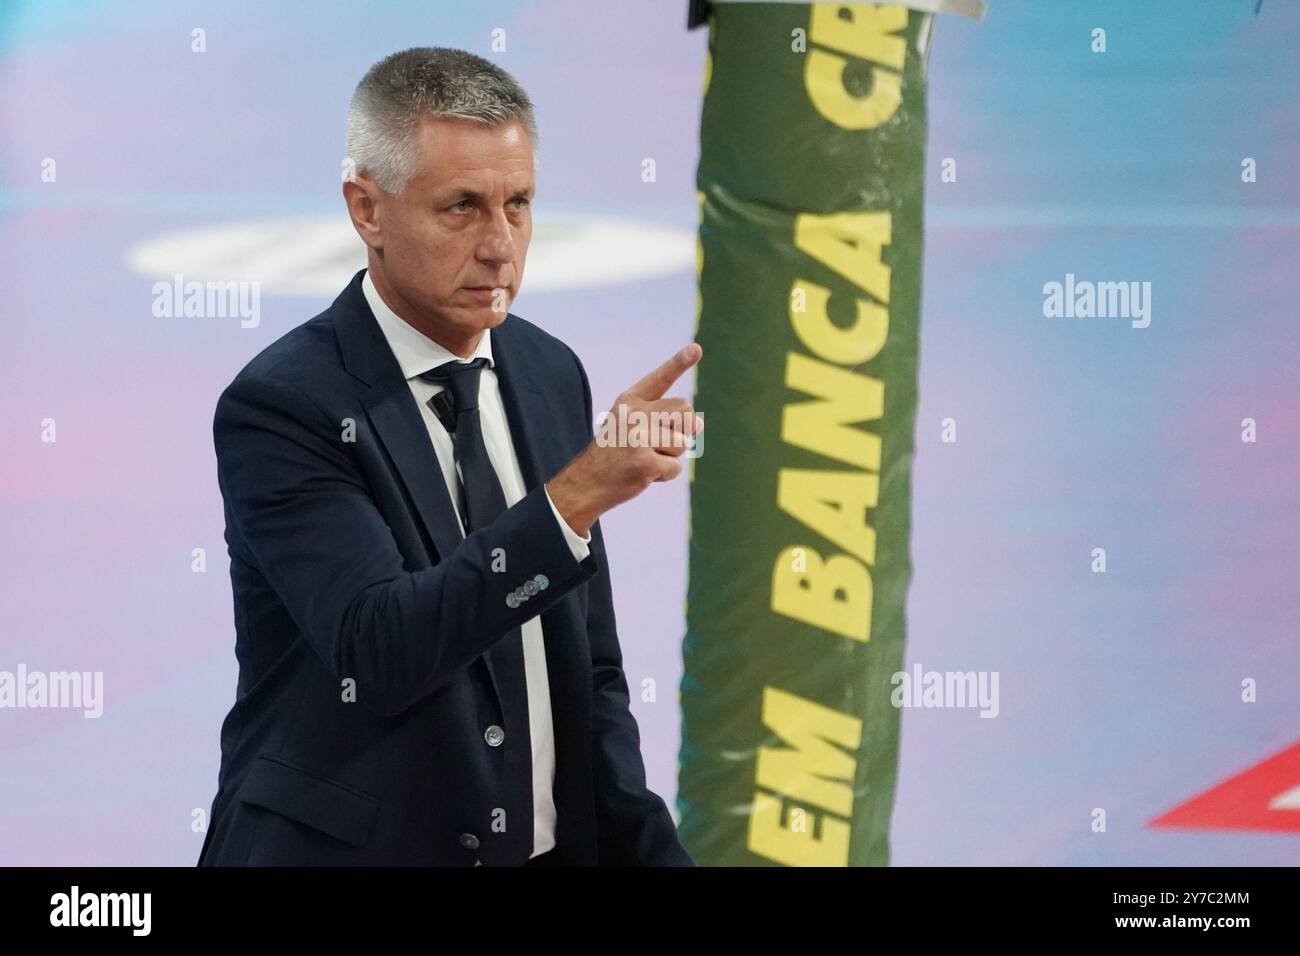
(512, 600)
(469, 841)
(521, 595)
(494, 735)
(531, 588)
(542, 581)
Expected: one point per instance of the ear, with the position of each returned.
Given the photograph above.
(365, 201)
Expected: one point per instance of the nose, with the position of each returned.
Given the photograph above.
(497, 245)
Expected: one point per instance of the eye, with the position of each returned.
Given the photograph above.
(462, 205)
(523, 200)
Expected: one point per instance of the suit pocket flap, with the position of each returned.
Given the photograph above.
(331, 807)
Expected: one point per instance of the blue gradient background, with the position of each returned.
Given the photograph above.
(1119, 691)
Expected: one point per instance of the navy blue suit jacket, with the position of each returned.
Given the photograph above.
(351, 578)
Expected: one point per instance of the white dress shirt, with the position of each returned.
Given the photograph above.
(416, 353)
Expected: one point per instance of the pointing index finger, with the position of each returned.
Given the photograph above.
(654, 385)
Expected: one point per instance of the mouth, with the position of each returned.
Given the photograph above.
(486, 294)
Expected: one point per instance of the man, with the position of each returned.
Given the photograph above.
(429, 670)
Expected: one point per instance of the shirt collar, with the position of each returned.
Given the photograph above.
(416, 352)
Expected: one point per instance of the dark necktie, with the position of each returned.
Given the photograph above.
(482, 499)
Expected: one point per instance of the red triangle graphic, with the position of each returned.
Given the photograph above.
(1246, 801)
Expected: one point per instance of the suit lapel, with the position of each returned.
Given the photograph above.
(525, 407)
(398, 424)
(393, 413)
(539, 445)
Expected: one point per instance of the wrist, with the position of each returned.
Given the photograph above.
(571, 502)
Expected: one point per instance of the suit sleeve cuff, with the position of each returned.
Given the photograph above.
(577, 543)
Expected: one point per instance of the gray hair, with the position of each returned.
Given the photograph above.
(438, 81)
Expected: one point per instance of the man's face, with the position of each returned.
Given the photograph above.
(450, 247)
